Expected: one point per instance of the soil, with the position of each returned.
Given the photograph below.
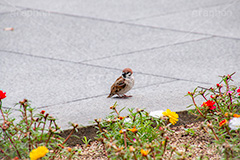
(202, 143)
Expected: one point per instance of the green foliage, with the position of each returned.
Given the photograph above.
(86, 141)
(220, 108)
(190, 131)
(19, 138)
(136, 136)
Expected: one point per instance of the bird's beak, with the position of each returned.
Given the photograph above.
(124, 75)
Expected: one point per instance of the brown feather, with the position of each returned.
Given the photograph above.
(117, 86)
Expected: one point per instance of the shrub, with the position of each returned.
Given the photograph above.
(139, 135)
(34, 136)
(221, 114)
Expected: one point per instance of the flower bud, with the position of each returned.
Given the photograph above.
(131, 149)
(113, 107)
(69, 149)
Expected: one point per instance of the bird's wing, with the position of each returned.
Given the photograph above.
(120, 82)
(118, 85)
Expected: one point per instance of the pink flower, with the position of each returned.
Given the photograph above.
(230, 92)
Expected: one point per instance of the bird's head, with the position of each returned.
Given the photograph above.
(127, 73)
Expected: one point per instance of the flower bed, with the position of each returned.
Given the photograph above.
(139, 135)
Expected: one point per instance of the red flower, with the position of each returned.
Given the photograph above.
(222, 122)
(42, 112)
(2, 95)
(238, 91)
(209, 104)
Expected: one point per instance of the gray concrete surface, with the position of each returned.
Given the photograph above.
(64, 55)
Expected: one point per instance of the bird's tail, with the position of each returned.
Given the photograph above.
(110, 95)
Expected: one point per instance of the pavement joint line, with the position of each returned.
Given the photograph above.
(131, 24)
(98, 66)
(11, 12)
(126, 23)
(101, 95)
(149, 49)
(9, 108)
(171, 13)
(72, 101)
(183, 31)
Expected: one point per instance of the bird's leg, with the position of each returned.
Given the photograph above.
(125, 96)
(120, 96)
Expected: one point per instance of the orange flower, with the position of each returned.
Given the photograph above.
(222, 122)
(121, 118)
(69, 149)
(144, 153)
(163, 142)
(236, 115)
(122, 131)
(131, 148)
(134, 130)
(226, 114)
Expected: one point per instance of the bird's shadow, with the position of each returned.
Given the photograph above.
(117, 97)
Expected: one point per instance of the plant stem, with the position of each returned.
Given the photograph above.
(49, 137)
(171, 154)
(204, 97)
(1, 151)
(125, 141)
(197, 107)
(129, 139)
(100, 129)
(69, 135)
(43, 128)
(216, 137)
(218, 107)
(116, 111)
(2, 111)
(13, 145)
(228, 131)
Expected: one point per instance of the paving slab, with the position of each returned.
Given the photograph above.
(78, 39)
(221, 20)
(47, 82)
(161, 96)
(116, 10)
(64, 55)
(8, 9)
(199, 61)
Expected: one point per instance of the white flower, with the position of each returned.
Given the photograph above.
(128, 120)
(234, 123)
(157, 114)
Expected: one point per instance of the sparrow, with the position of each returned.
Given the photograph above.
(123, 84)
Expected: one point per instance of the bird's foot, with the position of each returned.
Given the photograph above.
(125, 96)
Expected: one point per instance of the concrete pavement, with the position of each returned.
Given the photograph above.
(64, 55)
